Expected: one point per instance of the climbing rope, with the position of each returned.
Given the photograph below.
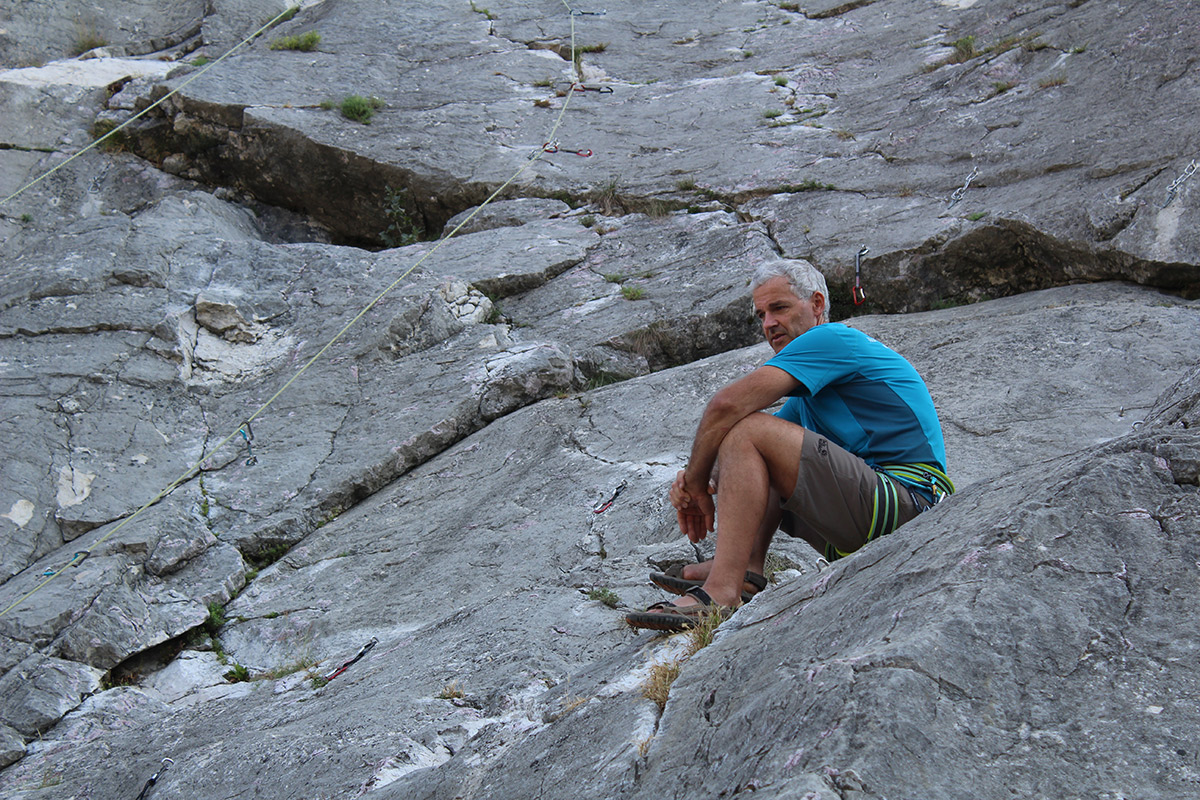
(244, 429)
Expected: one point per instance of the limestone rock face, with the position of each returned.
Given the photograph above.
(246, 443)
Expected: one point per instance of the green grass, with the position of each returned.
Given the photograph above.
(633, 292)
(402, 229)
(772, 113)
(685, 184)
(304, 42)
(964, 50)
(238, 674)
(809, 185)
(216, 618)
(781, 80)
(487, 14)
(606, 596)
(978, 215)
(290, 669)
(360, 109)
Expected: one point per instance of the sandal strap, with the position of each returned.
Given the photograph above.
(759, 582)
(701, 595)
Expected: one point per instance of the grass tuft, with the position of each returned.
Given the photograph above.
(238, 674)
(360, 109)
(304, 42)
(451, 691)
(606, 596)
(657, 685)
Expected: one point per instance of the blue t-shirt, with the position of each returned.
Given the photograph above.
(862, 395)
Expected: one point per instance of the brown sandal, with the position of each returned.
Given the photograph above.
(667, 616)
(673, 581)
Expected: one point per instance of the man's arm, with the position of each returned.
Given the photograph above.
(728, 407)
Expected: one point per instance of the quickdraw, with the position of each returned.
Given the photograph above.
(605, 506)
(248, 435)
(366, 648)
(166, 762)
(857, 292)
(76, 560)
(579, 87)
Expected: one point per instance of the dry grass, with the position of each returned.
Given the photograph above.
(658, 682)
(701, 636)
(451, 691)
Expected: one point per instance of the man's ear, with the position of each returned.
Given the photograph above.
(818, 303)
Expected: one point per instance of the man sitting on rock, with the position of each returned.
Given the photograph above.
(855, 452)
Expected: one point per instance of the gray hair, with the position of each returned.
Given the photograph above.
(803, 278)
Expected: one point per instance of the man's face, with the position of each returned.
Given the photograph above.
(783, 315)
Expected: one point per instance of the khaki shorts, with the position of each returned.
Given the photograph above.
(840, 503)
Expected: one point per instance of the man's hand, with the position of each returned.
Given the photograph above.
(694, 509)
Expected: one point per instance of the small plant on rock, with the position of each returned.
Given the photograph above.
(360, 109)
(304, 42)
(86, 38)
(633, 292)
(606, 596)
(451, 691)
(964, 50)
(402, 229)
(238, 674)
(216, 618)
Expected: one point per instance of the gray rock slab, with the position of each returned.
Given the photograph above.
(471, 571)
(634, 306)
(1066, 580)
(505, 214)
(40, 690)
(12, 746)
(38, 31)
(808, 95)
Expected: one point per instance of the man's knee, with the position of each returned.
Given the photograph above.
(762, 429)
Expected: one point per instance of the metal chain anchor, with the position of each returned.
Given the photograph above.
(553, 147)
(1188, 172)
(857, 292)
(960, 193)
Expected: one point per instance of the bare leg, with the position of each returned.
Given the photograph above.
(760, 460)
(758, 555)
